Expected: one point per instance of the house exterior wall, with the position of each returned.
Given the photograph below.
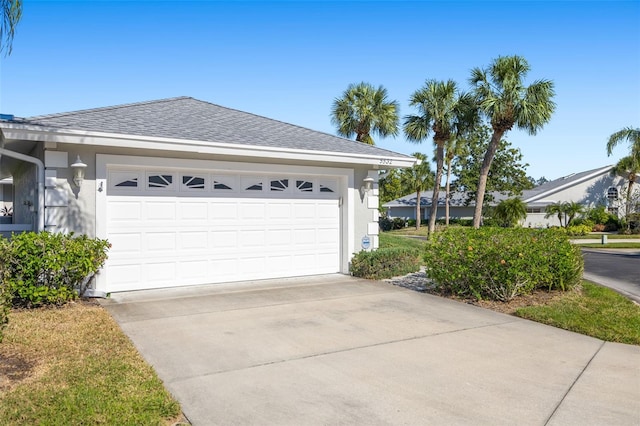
(590, 193)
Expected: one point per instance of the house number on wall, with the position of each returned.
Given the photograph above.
(385, 161)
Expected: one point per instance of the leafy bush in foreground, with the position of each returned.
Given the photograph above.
(499, 264)
(45, 268)
(5, 296)
(384, 263)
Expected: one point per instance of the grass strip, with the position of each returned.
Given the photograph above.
(595, 311)
(389, 240)
(79, 369)
(624, 245)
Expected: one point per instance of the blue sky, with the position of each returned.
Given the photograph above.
(290, 60)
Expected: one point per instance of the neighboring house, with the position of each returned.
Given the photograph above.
(188, 192)
(589, 188)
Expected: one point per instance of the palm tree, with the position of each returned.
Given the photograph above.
(363, 109)
(453, 148)
(417, 179)
(571, 210)
(629, 134)
(504, 99)
(510, 211)
(628, 166)
(11, 14)
(555, 209)
(444, 111)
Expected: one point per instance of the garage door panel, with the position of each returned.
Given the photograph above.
(160, 273)
(193, 240)
(124, 211)
(123, 244)
(193, 211)
(252, 211)
(223, 239)
(223, 211)
(161, 241)
(180, 237)
(251, 238)
(160, 210)
(279, 237)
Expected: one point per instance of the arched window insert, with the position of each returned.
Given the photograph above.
(612, 194)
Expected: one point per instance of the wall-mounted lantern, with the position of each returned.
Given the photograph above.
(367, 185)
(78, 171)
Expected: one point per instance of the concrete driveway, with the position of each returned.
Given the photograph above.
(338, 350)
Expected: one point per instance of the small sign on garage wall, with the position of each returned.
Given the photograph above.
(366, 242)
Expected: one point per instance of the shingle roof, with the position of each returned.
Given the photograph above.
(192, 119)
(563, 182)
(458, 199)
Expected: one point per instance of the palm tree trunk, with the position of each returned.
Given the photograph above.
(447, 192)
(627, 208)
(418, 218)
(436, 186)
(484, 175)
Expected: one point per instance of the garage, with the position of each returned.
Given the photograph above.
(172, 226)
(188, 192)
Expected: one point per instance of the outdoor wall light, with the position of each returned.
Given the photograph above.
(78, 171)
(367, 185)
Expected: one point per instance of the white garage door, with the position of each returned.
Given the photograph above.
(184, 227)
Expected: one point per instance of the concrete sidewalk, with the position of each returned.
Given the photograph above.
(339, 350)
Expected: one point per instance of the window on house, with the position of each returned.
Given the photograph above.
(612, 193)
(304, 185)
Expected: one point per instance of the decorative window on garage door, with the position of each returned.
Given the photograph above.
(193, 182)
(328, 185)
(222, 183)
(124, 180)
(304, 185)
(279, 185)
(159, 181)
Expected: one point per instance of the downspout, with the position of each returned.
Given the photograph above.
(40, 177)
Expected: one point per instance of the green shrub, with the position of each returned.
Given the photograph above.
(499, 263)
(5, 299)
(576, 230)
(48, 268)
(385, 263)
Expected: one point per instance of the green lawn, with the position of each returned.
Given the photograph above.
(74, 366)
(390, 239)
(595, 311)
(624, 245)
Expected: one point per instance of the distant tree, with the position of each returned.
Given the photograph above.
(628, 167)
(445, 112)
(505, 101)
(564, 210)
(363, 110)
(11, 14)
(629, 134)
(508, 175)
(418, 179)
(510, 211)
(571, 210)
(390, 186)
(541, 181)
(555, 209)
(452, 149)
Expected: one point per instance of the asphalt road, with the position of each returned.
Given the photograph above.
(616, 269)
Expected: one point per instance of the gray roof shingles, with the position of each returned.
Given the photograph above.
(192, 119)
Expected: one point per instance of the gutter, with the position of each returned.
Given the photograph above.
(40, 177)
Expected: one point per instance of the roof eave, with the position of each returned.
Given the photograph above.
(81, 137)
(567, 185)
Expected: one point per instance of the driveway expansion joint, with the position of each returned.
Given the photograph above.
(574, 382)
(321, 354)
